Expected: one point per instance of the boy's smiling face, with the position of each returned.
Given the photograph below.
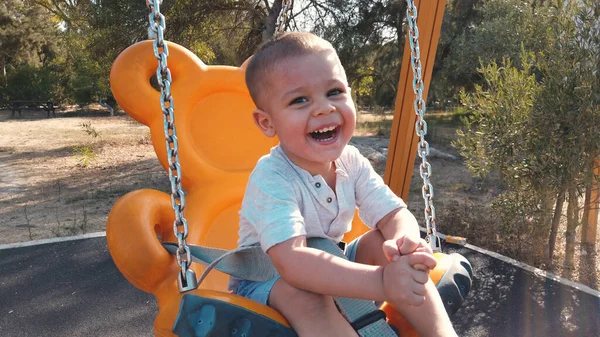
(309, 107)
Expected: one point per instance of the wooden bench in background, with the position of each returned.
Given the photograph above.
(17, 106)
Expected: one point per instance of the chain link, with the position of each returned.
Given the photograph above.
(421, 126)
(282, 18)
(187, 278)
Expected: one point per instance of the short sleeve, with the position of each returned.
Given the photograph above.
(374, 198)
(271, 207)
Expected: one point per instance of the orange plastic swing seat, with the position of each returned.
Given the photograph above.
(218, 148)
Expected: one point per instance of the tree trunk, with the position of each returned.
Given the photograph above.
(590, 210)
(572, 220)
(541, 230)
(271, 23)
(108, 107)
(560, 200)
(3, 65)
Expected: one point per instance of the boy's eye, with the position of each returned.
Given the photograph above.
(298, 100)
(334, 92)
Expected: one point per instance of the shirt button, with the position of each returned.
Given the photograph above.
(318, 185)
(329, 200)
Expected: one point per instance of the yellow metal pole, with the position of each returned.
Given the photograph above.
(403, 140)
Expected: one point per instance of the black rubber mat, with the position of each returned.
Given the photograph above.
(506, 300)
(69, 289)
(73, 289)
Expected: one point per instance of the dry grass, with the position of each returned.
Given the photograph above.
(49, 189)
(374, 124)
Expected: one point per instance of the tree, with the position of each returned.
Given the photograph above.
(536, 122)
(26, 35)
(93, 34)
(496, 139)
(458, 16)
(477, 32)
(569, 108)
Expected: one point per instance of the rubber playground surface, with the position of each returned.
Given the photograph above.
(73, 289)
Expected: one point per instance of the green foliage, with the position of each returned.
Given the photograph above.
(30, 82)
(27, 46)
(486, 31)
(568, 109)
(386, 64)
(86, 154)
(90, 35)
(85, 73)
(26, 33)
(363, 87)
(500, 137)
(77, 41)
(219, 31)
(498, 123)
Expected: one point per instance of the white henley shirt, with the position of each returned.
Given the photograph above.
(283, 201)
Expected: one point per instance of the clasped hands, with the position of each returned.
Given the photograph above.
(404, 278)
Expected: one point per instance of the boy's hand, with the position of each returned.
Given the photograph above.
(404, 284)
(393, 249)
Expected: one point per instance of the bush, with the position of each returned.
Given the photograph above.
(28, 82)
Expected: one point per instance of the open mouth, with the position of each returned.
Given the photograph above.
(325, 134)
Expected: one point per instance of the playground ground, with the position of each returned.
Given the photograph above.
(61, 176)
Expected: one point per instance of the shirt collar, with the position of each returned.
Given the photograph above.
(340, 168)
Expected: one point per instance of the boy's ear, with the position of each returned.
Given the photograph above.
(263, 120)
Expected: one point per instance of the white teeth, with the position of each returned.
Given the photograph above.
(324, 140)
(325, 129)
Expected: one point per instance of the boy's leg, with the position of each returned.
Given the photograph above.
(310, 314)
(430, 318)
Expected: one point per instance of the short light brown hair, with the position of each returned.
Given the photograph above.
(272, 53)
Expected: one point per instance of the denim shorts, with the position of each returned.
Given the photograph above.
(260, 291)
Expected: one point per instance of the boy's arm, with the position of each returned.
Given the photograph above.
(399, 223)
(322, 273)
(401, 231)
(375, 199)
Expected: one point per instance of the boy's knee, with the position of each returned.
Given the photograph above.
(309, 314)
(369, 250)
(315, 304)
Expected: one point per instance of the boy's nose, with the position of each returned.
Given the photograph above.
(324, 107)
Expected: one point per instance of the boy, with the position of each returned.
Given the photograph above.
(310, 185)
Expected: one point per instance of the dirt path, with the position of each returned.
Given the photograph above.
(8, 179)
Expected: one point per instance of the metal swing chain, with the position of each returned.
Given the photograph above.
(421, 126)
(187, 278)
(282, 18)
